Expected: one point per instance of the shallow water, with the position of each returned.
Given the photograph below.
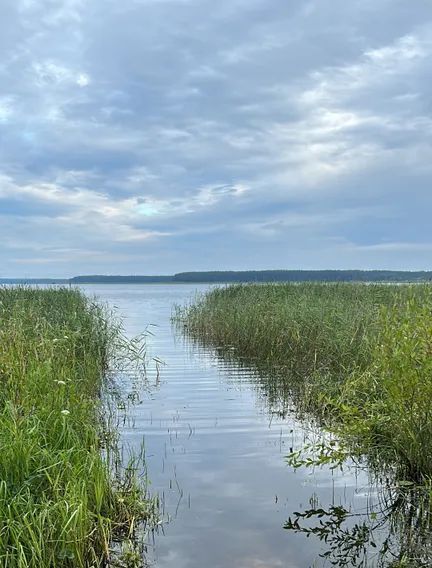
(215, 453)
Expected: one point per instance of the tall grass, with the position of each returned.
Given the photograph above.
(388, 404)
(358, 356)
(61, 502)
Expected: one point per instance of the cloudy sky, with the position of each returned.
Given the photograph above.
(155, 136)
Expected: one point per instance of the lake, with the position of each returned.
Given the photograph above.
(215, 452)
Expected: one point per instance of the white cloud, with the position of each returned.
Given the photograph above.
(394, 247)
(54, 73)
(52, 13)
(6, 108)
(375, 67)
(83, 80)
(211, 194)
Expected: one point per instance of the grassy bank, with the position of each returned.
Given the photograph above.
(61, 503)
(356, 356)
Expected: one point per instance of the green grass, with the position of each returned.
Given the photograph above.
(358, 357)
(62, 499)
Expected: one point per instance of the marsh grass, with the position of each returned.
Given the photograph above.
(357, 360)
(355, 356)
(65, 497)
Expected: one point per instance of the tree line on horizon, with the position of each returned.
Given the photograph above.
(240, 276)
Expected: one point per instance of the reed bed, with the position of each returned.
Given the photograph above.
(358, 357)
(64, 497)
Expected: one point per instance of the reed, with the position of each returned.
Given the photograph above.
(64, 496)
(356, 356)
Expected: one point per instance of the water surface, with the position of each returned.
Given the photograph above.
(216, 454)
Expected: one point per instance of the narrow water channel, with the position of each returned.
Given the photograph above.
(216, 454)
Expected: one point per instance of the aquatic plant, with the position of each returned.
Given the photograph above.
(356, 356)
(357, 359)
(65, 496)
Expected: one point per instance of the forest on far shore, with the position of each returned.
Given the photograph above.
(240, 276)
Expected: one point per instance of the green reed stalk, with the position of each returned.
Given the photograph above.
(61, 501)
(357, 356)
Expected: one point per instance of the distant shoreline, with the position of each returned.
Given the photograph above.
(225, 277)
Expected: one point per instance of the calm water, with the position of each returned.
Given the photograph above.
(215, 453)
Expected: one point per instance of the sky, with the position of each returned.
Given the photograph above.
(159, 136)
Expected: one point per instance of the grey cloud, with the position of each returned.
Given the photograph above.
(192, 133)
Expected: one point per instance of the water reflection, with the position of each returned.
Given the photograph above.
(216, 434)
(398, 529)
(392, 530)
